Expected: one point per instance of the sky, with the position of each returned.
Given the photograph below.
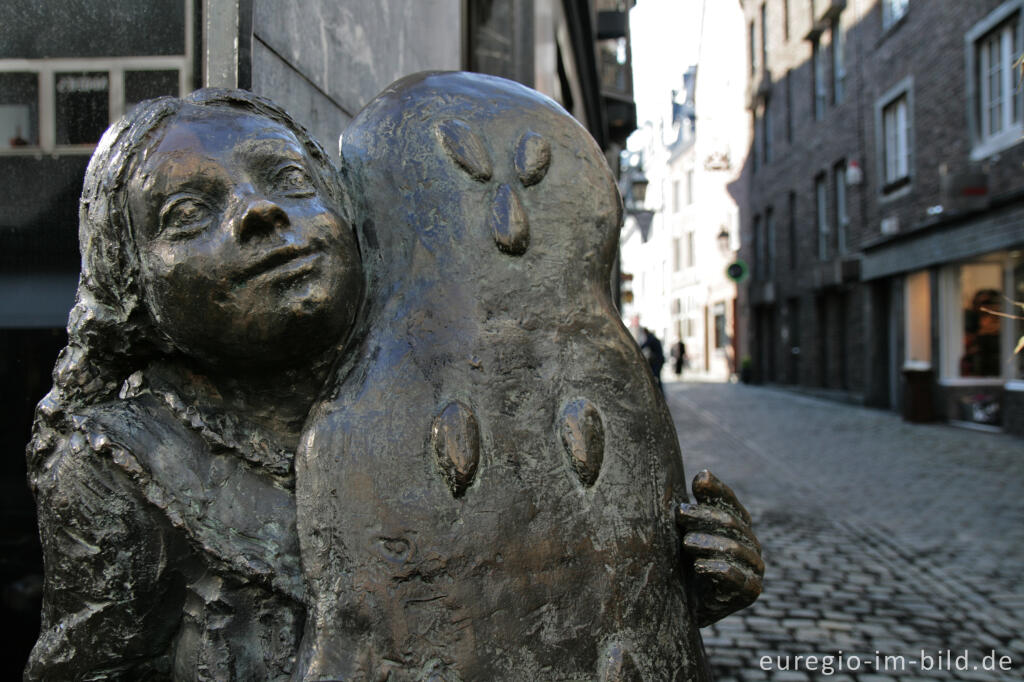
(664, 36)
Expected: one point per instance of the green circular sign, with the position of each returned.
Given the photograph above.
(736, 271)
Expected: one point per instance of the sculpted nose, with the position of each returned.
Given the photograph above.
(260, 218)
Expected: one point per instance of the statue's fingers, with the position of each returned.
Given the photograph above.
(701, 517)
(709, 546)
(726, 587)
(707, 489)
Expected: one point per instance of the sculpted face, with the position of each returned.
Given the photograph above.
(246, 261)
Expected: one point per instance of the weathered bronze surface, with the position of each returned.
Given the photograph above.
(489, 485)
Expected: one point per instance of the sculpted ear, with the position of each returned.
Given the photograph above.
(465, 149)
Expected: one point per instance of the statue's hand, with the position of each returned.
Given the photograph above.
(726, 557)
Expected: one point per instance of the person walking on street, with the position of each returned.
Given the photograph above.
(678, 357)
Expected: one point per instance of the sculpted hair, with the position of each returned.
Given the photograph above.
(110, 334)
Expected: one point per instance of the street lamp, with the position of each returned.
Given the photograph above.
(639, 184)
(723, 241)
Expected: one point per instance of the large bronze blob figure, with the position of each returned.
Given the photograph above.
(491, 490)
(381, 423)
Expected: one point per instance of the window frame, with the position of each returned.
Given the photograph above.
(819, 98)
(891, 188)
(951, 323)
(893, 12)
(841, 208)
(821, 215)
(984, 145)
(838, 60)
(114, 67)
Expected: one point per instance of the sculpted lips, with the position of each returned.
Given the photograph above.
(286, 260)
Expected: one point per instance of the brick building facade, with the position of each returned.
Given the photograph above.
(885, 203)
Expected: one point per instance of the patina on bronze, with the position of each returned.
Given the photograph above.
(489, 486)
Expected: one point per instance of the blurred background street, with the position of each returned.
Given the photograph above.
(879, 535)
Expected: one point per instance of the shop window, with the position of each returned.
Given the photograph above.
(918, 303)
(63, 106)
(143, 85)
(19, 110)
(974, 343)
(82, 105)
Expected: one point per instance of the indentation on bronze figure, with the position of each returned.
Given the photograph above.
(465, 148)
(532, 158)
(618, 665)
(455, 439)
(582, 433)
(508, 222)
(394, 550)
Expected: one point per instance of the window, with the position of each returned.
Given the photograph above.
(721, 338)
(766, 132)
(690, 250)
(142, 85)
(752, 33)
(676, 256)
(19, 110)
(755, 144)
(764, 36)
(893, 11)
(793, 251)
(838, 60)
(677, 201)
(993, 46)
(821, 205)
(785, 20)
(689, 186)
(893, 116)
(82, 103)
(789, 107)
(842, 218)
(918, 332)
(769, 247)
(818, 91)
(896, 150)
(64, 105)
(758, 270)
(972, 336)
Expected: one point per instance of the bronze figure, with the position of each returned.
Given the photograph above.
(490, 491)
(218, 274)
(489, 485)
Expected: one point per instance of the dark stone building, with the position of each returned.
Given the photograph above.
(886, 198)
(68, 68)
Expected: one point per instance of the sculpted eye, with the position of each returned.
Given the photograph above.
(293, 180)
(184, 216)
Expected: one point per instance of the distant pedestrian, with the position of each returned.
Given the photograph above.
(678, 357)
(652, 350)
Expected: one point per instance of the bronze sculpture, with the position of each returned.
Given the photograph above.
(490, 486)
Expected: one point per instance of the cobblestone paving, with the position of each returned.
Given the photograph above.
(882, 538)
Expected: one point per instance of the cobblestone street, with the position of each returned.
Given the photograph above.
(895, 549)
